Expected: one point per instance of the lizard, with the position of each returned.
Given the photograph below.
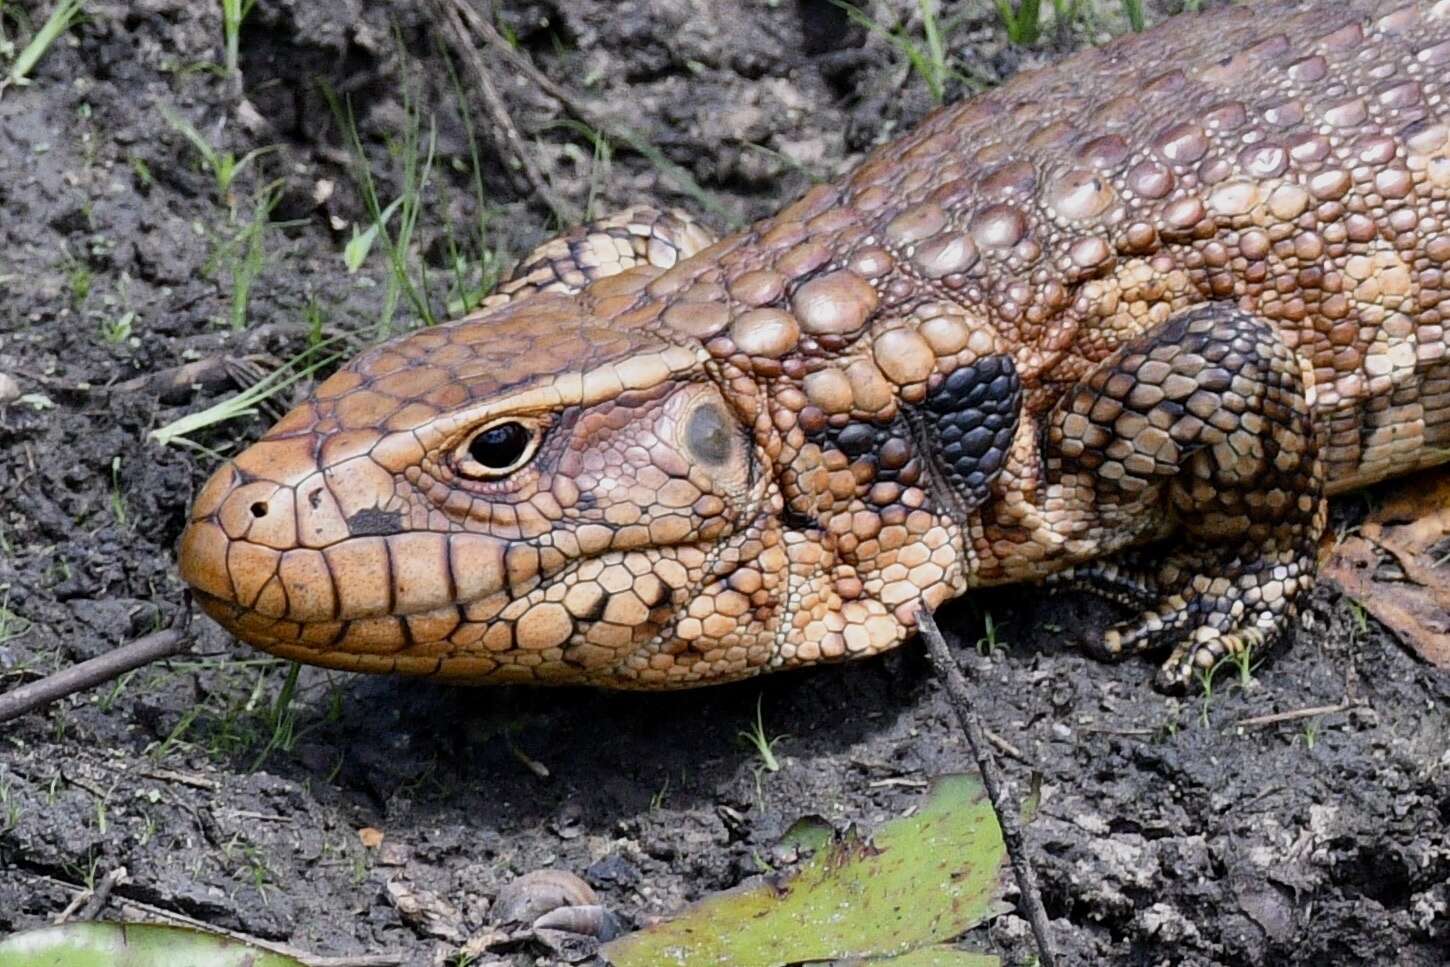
(1123, 324)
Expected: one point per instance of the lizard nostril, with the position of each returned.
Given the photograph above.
(259, 509)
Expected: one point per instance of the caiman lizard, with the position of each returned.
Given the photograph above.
(1123, 324)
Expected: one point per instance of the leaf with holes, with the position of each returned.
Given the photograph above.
(917, 882)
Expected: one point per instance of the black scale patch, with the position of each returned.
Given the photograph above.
(889, 446)
(970, 420)
(964, 428)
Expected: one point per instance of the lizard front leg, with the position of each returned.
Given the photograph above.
(1206, 419)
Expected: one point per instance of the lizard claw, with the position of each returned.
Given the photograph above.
(1195, 658)
(1223, 609)
(1245, 609)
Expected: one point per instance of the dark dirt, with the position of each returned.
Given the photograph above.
(1167, 833)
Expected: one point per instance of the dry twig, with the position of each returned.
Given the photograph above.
(88, 904)
(103, 668)
(578, 108)
(134, 911)
(447, 12)
(1293, 716)
(961, 702)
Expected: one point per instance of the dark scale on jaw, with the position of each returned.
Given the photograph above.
(375, 522)
(887, 446)
(969, 421)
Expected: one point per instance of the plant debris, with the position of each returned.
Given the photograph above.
(1411, 532)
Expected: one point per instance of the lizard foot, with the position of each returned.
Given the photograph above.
(1211, 611)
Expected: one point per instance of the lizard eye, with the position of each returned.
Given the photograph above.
(497, 450)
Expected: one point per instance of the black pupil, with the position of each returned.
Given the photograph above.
(499, 446)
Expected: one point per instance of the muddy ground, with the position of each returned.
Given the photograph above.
(1168, 834)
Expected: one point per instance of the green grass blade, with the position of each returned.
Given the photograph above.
(930, 63)
(62, 18)
(1024, 23)
(246, 402)
(356, 252)
(1133, 10)
(680, 179)
(188, 131)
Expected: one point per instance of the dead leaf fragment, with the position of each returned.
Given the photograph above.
(1411, 528)
(426, 912)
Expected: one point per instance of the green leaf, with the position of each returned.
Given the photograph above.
(89, 944)
(919, 881)
(357, 249)
(939, 957)
(62, 18)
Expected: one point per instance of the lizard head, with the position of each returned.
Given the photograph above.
(513, 498)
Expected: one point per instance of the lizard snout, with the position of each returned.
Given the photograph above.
(281, 560)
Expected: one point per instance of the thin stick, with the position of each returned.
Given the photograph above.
(522, 64)
(1005, 747)
(493, 102)
(1301, 713)
(102, 896)
(75, 904)
(88, 674)
(961, 702)
(581, 111)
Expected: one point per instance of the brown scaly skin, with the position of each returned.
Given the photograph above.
(1178, 288)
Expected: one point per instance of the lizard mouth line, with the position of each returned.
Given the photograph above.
(396, 643)
(322, 630)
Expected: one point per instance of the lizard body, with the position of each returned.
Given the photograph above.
(1176, 289)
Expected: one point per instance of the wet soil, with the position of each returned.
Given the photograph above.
(1168, 832)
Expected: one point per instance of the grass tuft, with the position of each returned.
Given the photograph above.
(678, 178)
(478, 263)
(248, 252)
(1065, 14)
(1023, 23)
(118, 330)
(224, 165)
(12, 625)
(415, 154)
(179, 432)
(764, 747)
(929, 59)
(63, 16)
(233, 13)
(79, 278)
(989, 642)
(1133, 10)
